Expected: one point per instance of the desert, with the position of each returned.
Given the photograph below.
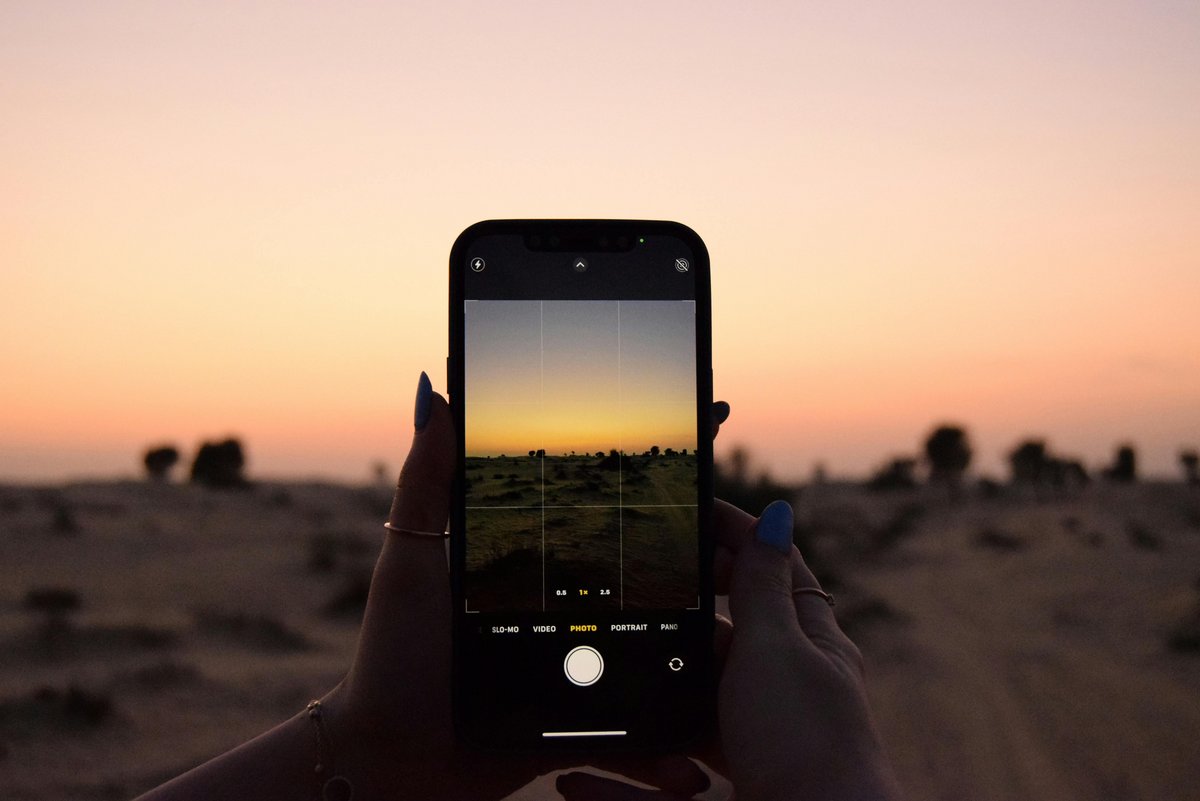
(1019, 643)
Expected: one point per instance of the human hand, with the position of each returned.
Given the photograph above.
(794, 717)
(390, 719)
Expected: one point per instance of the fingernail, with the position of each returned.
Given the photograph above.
(424, 396)
(720, 412)
(775, 526)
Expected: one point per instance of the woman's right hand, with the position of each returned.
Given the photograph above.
(794, 716)
(792, 706)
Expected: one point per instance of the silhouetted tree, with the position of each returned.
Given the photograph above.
(533, 453)
(541, 453)
(1065, 473)
(219, 465)
(669, 452)
(1124, 466)
(895, 475)
(159, 461)
(654, 450)
(599, 454)
(1190, 461)
(1028, 462)
(948, 453)
(739, 465)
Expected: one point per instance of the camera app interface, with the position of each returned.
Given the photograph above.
(581, 465)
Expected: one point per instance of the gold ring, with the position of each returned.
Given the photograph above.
(814, 591)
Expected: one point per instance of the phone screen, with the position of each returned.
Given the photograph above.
(581, 384)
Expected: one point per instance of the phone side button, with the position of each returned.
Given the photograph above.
(584, 666)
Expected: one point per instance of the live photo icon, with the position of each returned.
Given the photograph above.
(681, 265)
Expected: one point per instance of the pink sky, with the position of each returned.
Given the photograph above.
(234, 218)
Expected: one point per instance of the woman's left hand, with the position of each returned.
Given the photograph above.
(390, 718)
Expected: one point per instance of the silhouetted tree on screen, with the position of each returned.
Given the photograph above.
(219, 465)
(159, 461)
(1124, 466)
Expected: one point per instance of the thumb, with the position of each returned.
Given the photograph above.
(760, 588)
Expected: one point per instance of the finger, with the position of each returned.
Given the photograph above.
(814, 612)
(733, 527)
(736, 530)
(422, 500)
(580, 786)
(720, 413)
(405, 637)
(673, 774)
(760, 590)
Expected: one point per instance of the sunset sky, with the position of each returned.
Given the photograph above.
(234, 218)
(580, 376)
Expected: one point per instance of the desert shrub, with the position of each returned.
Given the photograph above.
(1066, 473)
(896, 475)
(53, 600)
(166, 674)
(1189, 460)
(990, 489)
(999, 540)
(1033, 464)
(159, 460)
(62, 513)
(219, 465)
(948, 453)
(1142, 537)
(1028, 462)
(1124, 467)
(74, 706)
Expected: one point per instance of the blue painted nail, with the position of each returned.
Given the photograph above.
(775, 526)
(720, 412)
(424, 396)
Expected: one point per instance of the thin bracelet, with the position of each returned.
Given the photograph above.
(337, 787)
(439, 534)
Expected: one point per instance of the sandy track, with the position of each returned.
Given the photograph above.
(1038, 673)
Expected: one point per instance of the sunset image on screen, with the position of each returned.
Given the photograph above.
(580, 440)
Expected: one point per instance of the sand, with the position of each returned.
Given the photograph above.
(1017, 647)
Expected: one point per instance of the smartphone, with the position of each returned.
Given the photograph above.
(580, 381)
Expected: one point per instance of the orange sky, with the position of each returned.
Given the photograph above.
(580, 376)
(234, 218)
